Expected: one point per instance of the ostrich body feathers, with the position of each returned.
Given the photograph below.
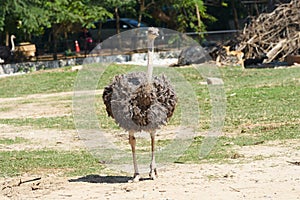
(136, 105)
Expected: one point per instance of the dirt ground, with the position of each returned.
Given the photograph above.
(263, 172)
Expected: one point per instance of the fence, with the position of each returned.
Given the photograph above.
(138, 41)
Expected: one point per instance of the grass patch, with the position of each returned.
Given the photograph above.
(9, 141)
(48, 81)
(237, 78)
(61, 123)
(13, 163)
(220, 152)
(6, 109)
(223, 151)
(282, 132)
(262, 105)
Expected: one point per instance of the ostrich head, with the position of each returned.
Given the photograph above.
(152, 33)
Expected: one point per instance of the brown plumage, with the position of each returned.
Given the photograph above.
(134, 106)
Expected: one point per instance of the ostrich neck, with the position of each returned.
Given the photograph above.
(12, 44)
(150, 59)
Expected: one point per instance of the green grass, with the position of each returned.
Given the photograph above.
(223, 151)
(48, 81)
(262, 105)
(61, 123)
(6, 108)
(13, 163)
(9, 141)
(237, 78)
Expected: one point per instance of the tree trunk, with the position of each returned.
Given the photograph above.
(198, 17)
(143, 7)
(118, 27)
(117, 20)
(6, 38)
(141, 11)
(54, 37)
(66, 40)
(235, 15)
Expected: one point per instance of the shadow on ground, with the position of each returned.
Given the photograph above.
(93, 178)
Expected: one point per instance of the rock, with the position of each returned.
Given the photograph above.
(9, 68)
(121, 58)
(77, 68)
(137, 57)
(62, 63)
(71, 62)
(193, 55)
(214, 81)
(169, 54)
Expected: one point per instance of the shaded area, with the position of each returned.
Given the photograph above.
(94, 178)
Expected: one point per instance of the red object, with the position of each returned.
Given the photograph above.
(77, 48)
(89, 40)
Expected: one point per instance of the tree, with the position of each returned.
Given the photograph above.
(21, 16)
(182, 15)
(143, 7)
(64, 14)
(33, 16)
(115, 6)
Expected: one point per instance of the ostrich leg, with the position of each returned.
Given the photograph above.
(153, 171)
(132, 142)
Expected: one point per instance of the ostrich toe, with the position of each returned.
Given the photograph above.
(135, 179)
(153, 174)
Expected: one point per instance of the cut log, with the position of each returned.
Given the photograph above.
(276, 50)
(275, 34)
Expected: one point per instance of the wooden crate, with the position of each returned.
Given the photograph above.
(27, 50)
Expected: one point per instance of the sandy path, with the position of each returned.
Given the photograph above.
(269, 177)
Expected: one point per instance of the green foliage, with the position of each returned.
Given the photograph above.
(183, 14)
(19, 14)
(32, 16)
(65, 12)
(123, 6)
(187, 18)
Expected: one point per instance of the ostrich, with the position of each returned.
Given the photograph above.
(5, 52)
(139, 102)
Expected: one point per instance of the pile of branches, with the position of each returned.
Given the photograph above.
(275, 34)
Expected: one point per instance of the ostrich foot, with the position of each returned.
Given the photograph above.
(153, 174)
(136, 178)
